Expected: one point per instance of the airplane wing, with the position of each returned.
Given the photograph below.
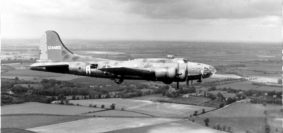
(59, 67)
(127, 71)
(49, 64)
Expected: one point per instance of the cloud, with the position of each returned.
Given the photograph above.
(122, 10)
(251, 20)
(204, 9)
(62, 9)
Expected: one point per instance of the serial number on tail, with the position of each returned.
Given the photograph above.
(54, 47)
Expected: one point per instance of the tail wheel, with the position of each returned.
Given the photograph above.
(119, 79)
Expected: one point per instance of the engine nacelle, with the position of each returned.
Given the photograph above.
(182, 72)
(79, 68)
(166, 75)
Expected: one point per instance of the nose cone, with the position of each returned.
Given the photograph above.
(212, 70)
(208, 71)
(204, 70)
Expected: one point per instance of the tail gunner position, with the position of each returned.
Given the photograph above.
(56, 57)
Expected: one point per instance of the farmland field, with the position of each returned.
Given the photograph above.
(6, 68)
(14, 130)
(191, 100)
(244, 116)
(182, 126)
(97, 125)
(34, 120)
(147, 107)
(40, 108)
(247, 85)
(118, 113)
(36, 75)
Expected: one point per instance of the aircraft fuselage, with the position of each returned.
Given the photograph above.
(56, 57)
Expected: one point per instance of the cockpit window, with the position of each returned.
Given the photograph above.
(181, 60)
(162, 61)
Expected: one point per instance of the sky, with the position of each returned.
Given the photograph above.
(180, 20)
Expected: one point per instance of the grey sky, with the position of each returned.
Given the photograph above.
(205, 9)
(204, 20)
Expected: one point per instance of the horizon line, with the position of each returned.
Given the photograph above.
(153, 40)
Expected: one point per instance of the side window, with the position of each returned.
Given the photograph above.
(93, 66)
(185, 60)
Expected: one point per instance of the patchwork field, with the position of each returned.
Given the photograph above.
(27, 74)
(40, 108)
(192, 100)
(119, 113)
(182, 126)
(125, 125)
(6, 68)
(14, 130)
(244, 117)
(97, 125)
(139, 115)
(247, 85)
(147, 107)
(27, 115)
(25, 121)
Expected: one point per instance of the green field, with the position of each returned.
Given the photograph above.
(40, 108)
(98, 125)
(244, 116)
(254, 67)
(182, 126)
(191, 100)
(247, 85)
(14, 130)
(6, 68)
(36, 75)
(147, 107)
(34, 120)
(118, 113)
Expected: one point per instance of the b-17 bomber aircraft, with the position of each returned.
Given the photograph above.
(56, 57)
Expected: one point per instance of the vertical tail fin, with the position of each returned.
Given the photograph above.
(52, 48)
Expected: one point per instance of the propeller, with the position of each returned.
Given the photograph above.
(187, 81)
(177, 75)
(187, 75)
(200, 77)
(201, 71)
(119, 79)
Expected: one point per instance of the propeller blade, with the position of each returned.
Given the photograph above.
(200, 79)
(187, 82)
(187, 76)
(201, 72)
